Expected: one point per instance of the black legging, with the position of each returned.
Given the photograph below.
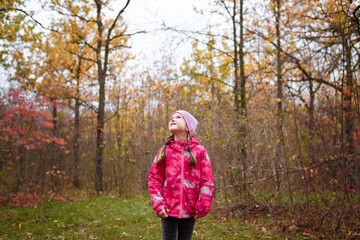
(183, 227)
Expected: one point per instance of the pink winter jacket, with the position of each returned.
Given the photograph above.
(186, 191)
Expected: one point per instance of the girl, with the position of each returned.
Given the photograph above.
(181, 184)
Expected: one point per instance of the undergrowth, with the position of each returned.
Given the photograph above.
(109, 217)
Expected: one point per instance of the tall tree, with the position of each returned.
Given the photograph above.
(103, 47)
(108, 37)
(279, 96)
(345, 32)
(236, 13)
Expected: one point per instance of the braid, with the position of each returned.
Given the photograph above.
(192, 162)
(161, 156)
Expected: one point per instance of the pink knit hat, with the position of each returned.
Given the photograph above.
(190, 121)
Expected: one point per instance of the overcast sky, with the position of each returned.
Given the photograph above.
(148, 15)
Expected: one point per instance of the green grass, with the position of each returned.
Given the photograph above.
(107, 217)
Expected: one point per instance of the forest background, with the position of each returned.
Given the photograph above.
(274, 85)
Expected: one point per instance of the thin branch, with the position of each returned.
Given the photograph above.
(116, 19)
(226, 8)
(356, 19)
(29, 15)
(187, 34)
(298, 64)
(76, 15)
(277, 174)
(213, 79)
(86, 43)
(126, 35)
(82, 57)
(111, 49)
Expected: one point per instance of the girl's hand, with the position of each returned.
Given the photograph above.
(163, 212)
(196, 217)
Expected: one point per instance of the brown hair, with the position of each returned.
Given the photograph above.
(192, 162)
(161, 156)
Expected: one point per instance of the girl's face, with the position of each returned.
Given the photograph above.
(177, 124)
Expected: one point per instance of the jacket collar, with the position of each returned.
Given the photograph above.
(179, 144)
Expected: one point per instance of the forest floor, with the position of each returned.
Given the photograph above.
(107, 217)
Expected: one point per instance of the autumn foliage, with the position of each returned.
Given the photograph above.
(25, 123)
(275, 88)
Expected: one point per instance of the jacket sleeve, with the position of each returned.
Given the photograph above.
(203, 204)
(156, 179)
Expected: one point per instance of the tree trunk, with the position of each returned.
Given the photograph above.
(75, 167)
(349, 118)
(118, 130)
(236, 66)
(21, 171)
(242, 65)
(54, 161)
(279, 96)
(100, 135)
(102, 46)
(101, 102)
(311, 146)
(350, 158)
(242, 95)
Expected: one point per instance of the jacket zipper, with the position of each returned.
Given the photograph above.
(182, 180)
